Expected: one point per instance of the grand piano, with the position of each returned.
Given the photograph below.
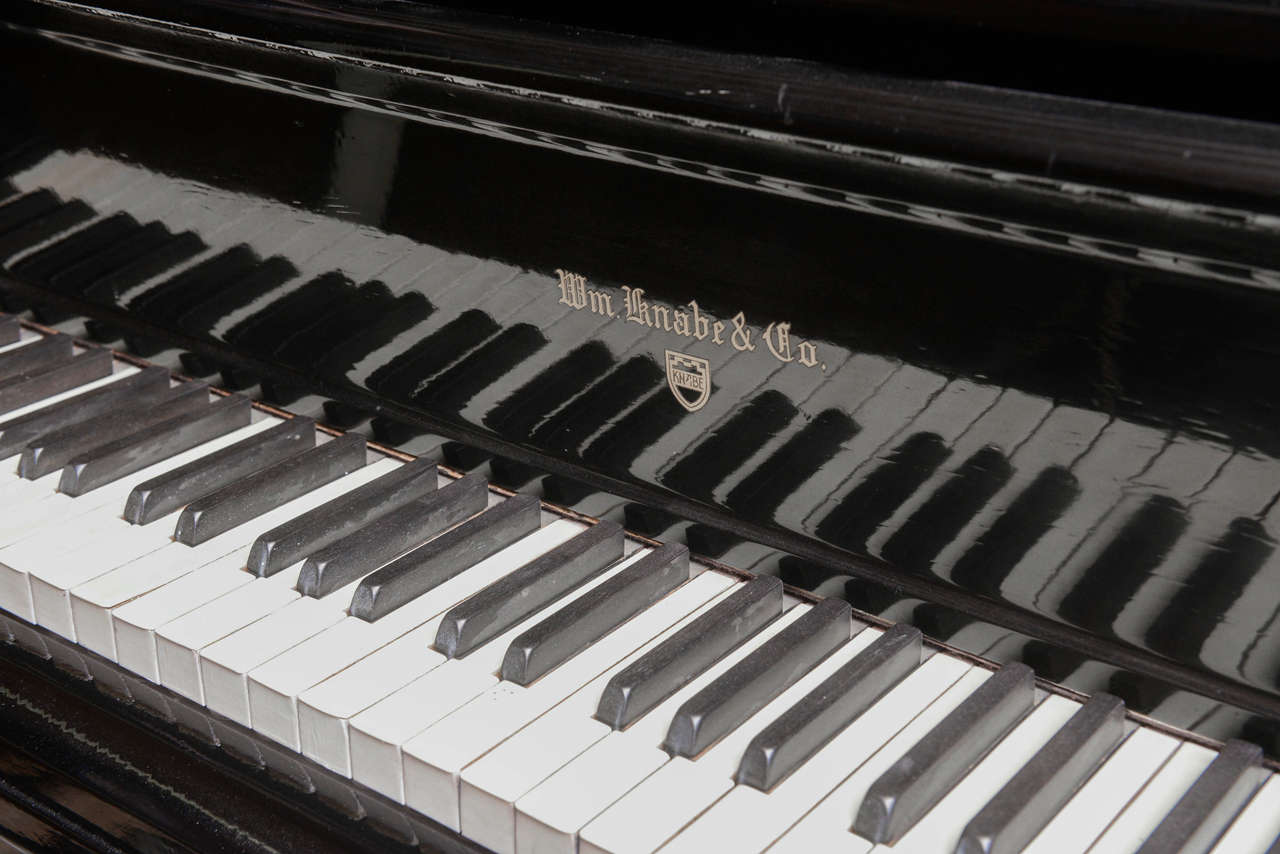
(844, 426)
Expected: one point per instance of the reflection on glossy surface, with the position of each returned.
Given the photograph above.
(1073, 428)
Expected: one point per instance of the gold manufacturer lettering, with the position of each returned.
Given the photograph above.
(688, 376)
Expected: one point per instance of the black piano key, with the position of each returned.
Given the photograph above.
(292, 541)
(760, 493)
(744, 689)
(391, 534)
(931, 768)
(593, 615)
(55, 449)
(1035, 794)
(517, 414)
(202, 316)
(715, 457)
(870, 503)
(435, 562)
(168, 254)
(39, 267)
(530, 588)
(154, 443)
(267, 488)
(54, 378)
(488, 363)
(1211, 804)
(262, 331)
(401, 377)
(592, 410)
(988, 562)
(672, 664)
(29, 357)
(803, 729)
(1141, 545)
(138, 390)
(937, 522)
(165, 493)
(10, 330)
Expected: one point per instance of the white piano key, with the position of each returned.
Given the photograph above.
(656, 810)
(93, 601)
(434, 758)
(549, 816)
(1105, 794)
(275, 685)
(943, 824)
(1154, 802)
(225, 663)
(748, 819)
(491, 785)
(1258, 824)
(325, 709)
(136, 621)
(378, 732)
(827, 826)
(178, 642)
(107, 537)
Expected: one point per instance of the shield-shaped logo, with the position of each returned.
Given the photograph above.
(689, 379)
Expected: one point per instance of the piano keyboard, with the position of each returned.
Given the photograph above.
(532, 682)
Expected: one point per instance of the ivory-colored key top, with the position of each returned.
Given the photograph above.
(274, 687)
(750, 819)
(434, 759)
(93, 601)
(491, 785)
(378, 732)
(1257, 827)
(656, 810)
(1153, 803)
(827, 825)
(1083, 818)
(549, 816)
(946, 821)
(98, 542)
(325, 709)
(136, 621)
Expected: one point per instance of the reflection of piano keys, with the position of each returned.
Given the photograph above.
(943, 478)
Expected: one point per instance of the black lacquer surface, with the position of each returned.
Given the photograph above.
(993, 362)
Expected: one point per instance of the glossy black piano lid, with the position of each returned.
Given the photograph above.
(1030, 414)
